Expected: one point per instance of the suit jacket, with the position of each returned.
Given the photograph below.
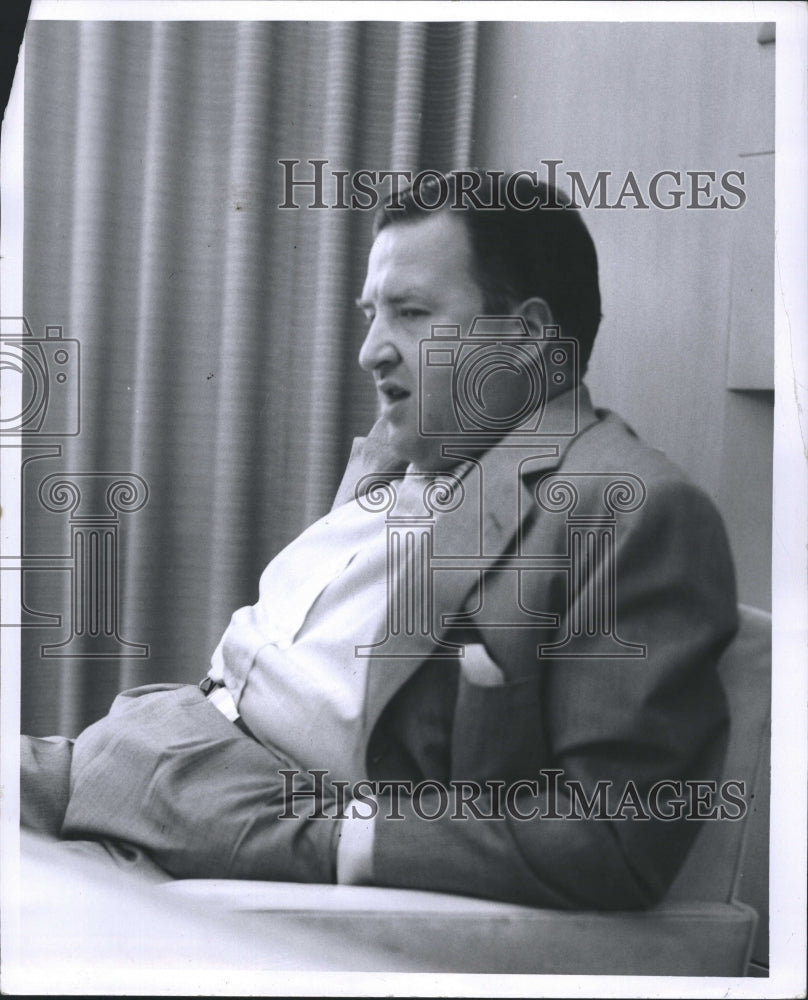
(649, 710)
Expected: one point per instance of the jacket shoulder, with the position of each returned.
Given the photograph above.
(610, 445)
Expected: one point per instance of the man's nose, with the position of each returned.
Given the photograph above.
(378, 348)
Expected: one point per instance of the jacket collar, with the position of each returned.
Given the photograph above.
(371, 455)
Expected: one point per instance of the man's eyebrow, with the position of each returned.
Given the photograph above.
(393, 300)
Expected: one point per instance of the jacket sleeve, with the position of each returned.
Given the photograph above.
(627, 723)
(166, 772)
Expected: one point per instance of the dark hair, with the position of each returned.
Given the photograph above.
(544, 251)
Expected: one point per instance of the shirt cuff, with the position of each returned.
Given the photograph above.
(355, 851)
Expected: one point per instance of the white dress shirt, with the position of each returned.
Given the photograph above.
(289, 661)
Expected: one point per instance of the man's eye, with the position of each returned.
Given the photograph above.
(411, 312)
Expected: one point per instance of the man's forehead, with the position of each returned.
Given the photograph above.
(424, 247)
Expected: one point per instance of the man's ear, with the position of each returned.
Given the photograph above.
(537, 314)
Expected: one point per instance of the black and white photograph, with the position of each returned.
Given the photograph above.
(403, 552)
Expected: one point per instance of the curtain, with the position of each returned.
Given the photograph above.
(217, 332)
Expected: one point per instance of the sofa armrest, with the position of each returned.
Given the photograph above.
(444, 933)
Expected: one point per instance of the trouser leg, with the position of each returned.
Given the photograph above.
(44, 782)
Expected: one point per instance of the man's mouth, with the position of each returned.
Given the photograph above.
(391, 392)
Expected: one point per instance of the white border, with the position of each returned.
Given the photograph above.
(406, 10)
(787, 927)
(790, 689)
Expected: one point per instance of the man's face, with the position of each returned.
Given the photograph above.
(419, 275)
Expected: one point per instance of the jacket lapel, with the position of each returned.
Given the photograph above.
(497, 500)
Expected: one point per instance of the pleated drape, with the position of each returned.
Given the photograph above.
(218, 332)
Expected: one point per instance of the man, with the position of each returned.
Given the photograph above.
(513, 612)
